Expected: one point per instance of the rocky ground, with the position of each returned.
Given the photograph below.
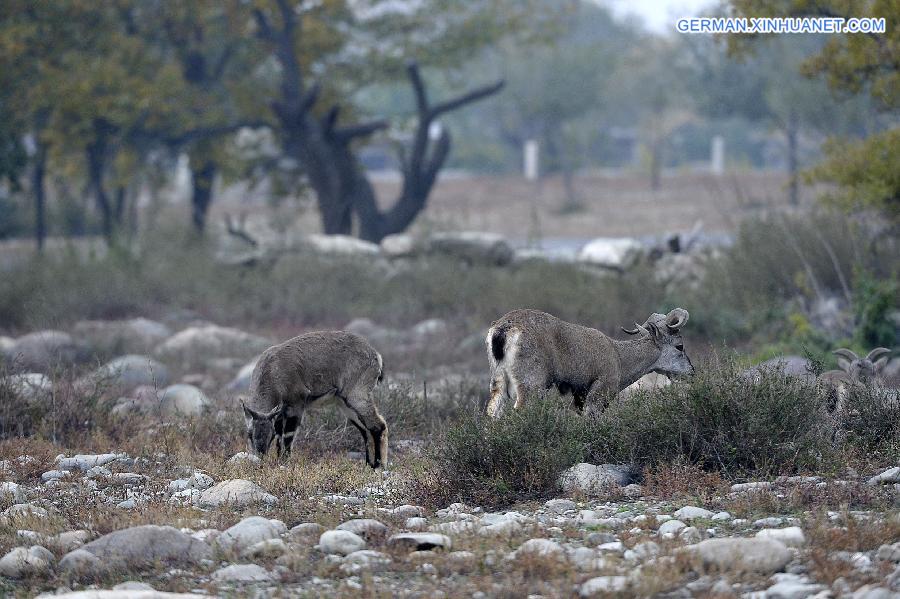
(167, 505)
(117, 522)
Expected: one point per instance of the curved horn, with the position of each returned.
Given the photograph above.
(677, 318)
(633, 331)
(845, 353)
(274, 412)
(877, 353)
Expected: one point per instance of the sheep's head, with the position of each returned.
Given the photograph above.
(260, 428)
(863, 370)
(665, 331)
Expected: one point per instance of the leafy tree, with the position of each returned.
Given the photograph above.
(852, 63)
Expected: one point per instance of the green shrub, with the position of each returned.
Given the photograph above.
(514, 458)
(874, 299)
(720, 421)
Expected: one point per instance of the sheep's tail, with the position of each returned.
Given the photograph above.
(498, 343)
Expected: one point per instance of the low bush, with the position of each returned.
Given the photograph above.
(498, 461)
(723, 422)
(716, 422)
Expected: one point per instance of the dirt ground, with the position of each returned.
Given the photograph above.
(612, 204)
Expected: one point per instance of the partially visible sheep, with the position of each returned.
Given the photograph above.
(648, 382)
(865, 372)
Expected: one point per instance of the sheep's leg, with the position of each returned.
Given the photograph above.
(499, 393)
(598, 396)
(532, 383)
(363, 414)
(290, 426)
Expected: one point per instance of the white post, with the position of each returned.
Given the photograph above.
(717, 155)
(531, 159)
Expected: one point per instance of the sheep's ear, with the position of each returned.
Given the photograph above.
(250, 413)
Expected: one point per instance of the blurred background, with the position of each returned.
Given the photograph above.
(412, 169)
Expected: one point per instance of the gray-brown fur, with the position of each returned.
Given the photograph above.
(531, 351)
(291, 376)
(854, 370)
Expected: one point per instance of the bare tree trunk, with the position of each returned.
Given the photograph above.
(202, 179)
(791, 133)
(39, 188)
(324, 148)
(96, 152)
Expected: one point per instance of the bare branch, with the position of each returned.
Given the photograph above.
(264, 28)
(345, 134)
(437, 159)
(415, 78)
(329, 121)
(468, 98)
(239, 230)
(310, 97)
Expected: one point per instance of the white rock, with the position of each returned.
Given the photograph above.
(398, 246)
(763, 556)
(791, 536)
(242, 573)
(340, 245)
(85, 462)
(768, 522)
(70, 540)
(754, 486)
(670, 528)
(132, 585)
(792, 590)
(247, 532)
(474, 247)
(340, 542)
(603, 585)
(721, 516)
(142, 546)
(416, 524)
(235, 492)
(608, 252)
(306, 529)
(541, 548)
(689, 512)
(244, 457)
(43, 350)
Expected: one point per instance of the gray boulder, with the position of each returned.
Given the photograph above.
(145, 546)
(29, 387)
(242, 573)
(86, 461)
(792, 366)
(199, 344)
(593, 480)
(338, 245)
(137, 335)
(757, 555)
(472, 247)
(235, 492)
(182, 400)
(41, 351)
(124, 594)
(127, 372)
(247, 532)
(341, 542)
(241, 382)
(26, 561)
